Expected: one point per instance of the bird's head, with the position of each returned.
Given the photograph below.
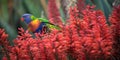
(26, 18)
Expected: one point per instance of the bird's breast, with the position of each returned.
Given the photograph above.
(34, 25)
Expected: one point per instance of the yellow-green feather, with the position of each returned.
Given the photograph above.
(33, 17)
(50, 26)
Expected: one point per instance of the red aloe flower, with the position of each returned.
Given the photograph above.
(28, 48)
(4, 43)
(89, 33)
(3, 38)
(53, 12)
(80, 5)
(23, 34)
(115, 26)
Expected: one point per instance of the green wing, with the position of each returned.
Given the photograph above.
(48, 24)
(43, 20)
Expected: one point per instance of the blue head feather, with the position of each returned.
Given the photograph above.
(27, 18)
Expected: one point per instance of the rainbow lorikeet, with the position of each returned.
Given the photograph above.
(37, 24)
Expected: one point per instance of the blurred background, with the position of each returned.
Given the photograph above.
(12, 10)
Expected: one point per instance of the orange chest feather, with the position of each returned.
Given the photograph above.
(33, 25)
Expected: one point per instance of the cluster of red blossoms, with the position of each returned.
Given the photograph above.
(53, 12)
(85, 36)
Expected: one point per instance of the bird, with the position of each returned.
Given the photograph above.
(36, 25)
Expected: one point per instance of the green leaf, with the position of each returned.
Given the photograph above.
(4, 10)
(33, 7)
(104, 6)
(10, 30)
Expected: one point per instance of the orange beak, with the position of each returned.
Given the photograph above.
(22, 19)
